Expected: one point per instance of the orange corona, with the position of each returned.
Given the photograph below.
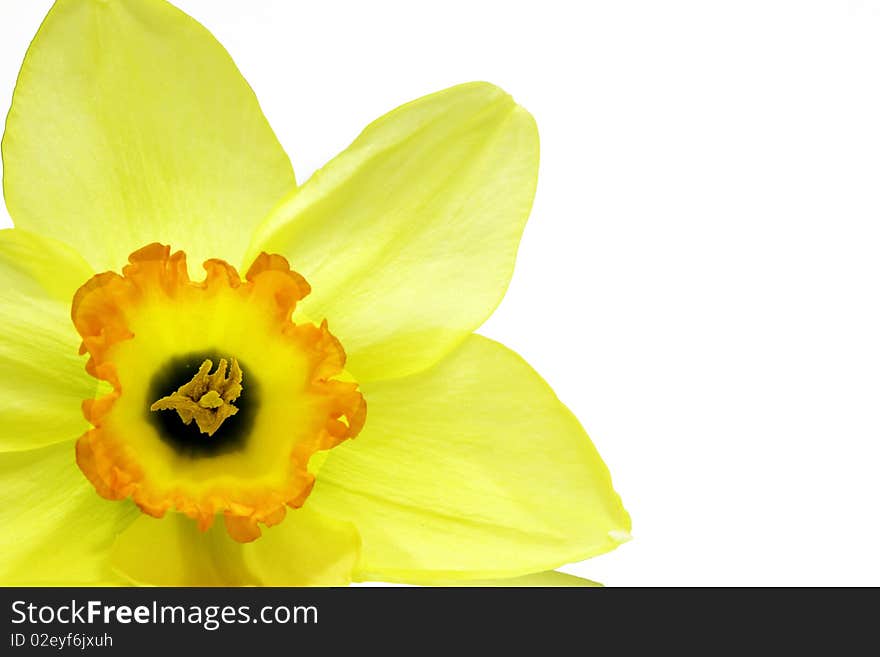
(139, 326)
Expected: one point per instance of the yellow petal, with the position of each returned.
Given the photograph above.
(550, 578)
(307, 549)
(470, 470)
(130, 124)
(408, 237)
(42, 378)
(41, 267)
(303, 550)
(56, 529)
(171, 551)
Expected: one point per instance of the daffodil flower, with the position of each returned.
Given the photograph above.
(311, 409)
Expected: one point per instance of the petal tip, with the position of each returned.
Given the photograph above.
(620, 536)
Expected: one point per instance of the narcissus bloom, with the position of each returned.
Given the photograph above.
(311, 409)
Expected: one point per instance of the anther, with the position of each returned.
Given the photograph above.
(206, 398)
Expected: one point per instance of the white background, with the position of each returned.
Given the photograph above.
(699, 280)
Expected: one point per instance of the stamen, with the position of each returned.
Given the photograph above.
(207, 398)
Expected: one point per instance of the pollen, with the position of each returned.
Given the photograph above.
(207, 398)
